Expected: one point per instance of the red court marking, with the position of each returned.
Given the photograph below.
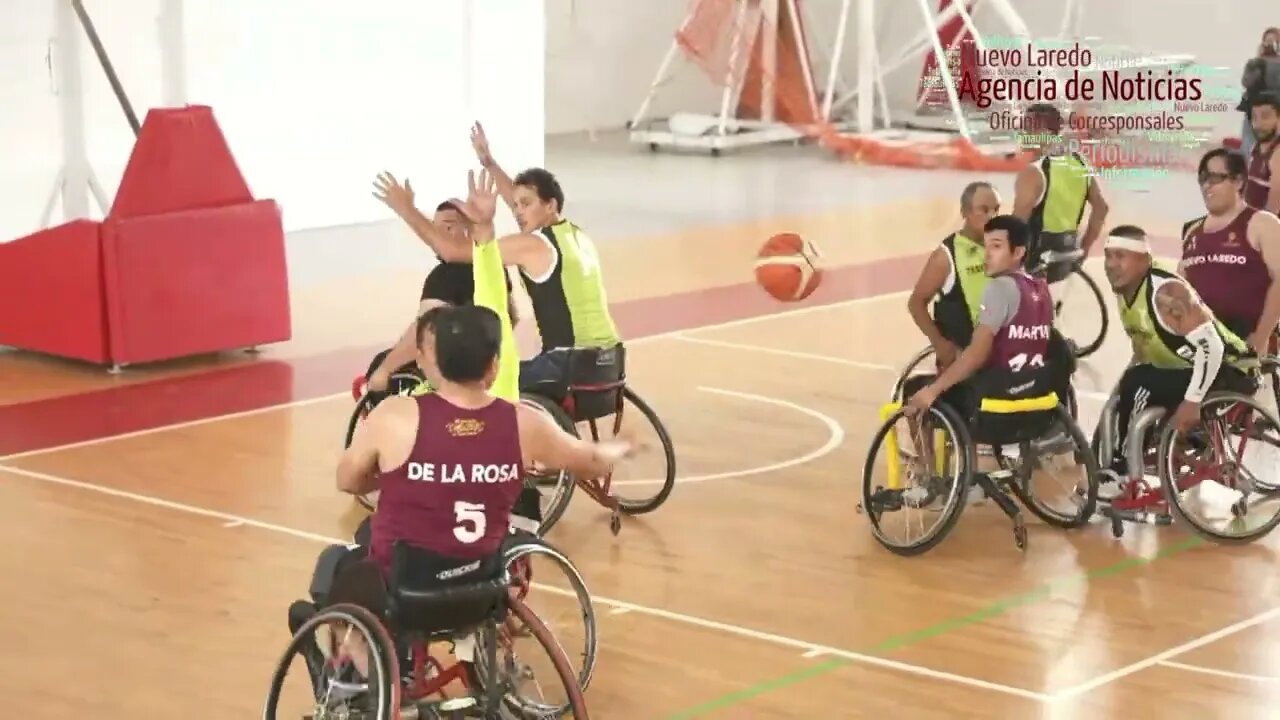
(51, 422)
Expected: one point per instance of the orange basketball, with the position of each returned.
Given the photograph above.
(787, 267)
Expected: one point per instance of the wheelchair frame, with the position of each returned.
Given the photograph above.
(429, 677)
(1141, 503)
(599, 489)
(993, 483)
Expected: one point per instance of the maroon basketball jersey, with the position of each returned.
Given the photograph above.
(1023, 343)
(1226, 271)
(453, 496)
(1258, 185)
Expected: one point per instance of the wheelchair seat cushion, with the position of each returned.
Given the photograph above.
(591, 381)
(434, 595)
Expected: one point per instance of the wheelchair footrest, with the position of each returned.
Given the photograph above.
(451, 709)
(991, 484)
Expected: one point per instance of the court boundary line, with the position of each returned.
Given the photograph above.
(233, 521)
(665, 335)
(1158, 658)
(835, 438)
(1219, 673)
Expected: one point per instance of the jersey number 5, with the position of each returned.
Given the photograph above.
(1019, 361)
(471, 521)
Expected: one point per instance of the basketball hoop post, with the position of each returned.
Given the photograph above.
(749, 22)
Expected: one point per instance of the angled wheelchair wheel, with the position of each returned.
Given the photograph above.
(916, 478)
(640, 496)
(369, 501)
(343, 664)
(554, 486)
(402, 382)
(533, 674)
(913, 365)
(546, 581)
(1056, 475)
(1080, 307)
(1220, 478)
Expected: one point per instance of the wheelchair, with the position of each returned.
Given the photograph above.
(491, 613)
(940, 465)
(593, 388)
(1236, 447)
(1061, 263)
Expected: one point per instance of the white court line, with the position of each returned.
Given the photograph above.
(175, 426)
(786, 353)
(618, 606)
(300, 403)
(1166, 655)
(1087, 394)
(835, 436)
(1219, 673)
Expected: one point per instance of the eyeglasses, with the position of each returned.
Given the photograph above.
(1213, 178)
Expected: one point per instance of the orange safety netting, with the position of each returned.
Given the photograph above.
(725, 39)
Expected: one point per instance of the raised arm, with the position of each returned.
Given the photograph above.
(506, 188)
(490, 279)
(399, 198)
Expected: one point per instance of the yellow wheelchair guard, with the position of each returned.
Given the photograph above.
(894, 462)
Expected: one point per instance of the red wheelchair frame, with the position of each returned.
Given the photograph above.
(423, 686)
(1139, 502)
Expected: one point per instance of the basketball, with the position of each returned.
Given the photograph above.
(787, 267)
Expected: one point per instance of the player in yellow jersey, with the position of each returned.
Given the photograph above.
(559, 266)
(1052, 193)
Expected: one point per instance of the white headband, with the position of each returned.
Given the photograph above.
(1115, 242)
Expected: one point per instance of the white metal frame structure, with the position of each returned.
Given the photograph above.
(724, 131)
(76, 181)
(753, 18)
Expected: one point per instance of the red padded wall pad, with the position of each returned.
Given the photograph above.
(194, 282)
(51, 294)
(181, 161)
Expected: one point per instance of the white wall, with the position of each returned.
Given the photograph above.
(602, 54)
(30, 137)
(315, 96)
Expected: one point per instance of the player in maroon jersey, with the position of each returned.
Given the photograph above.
(1263, 161)
(1014, 352)
(1231, 256)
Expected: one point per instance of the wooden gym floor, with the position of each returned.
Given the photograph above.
(156, 525)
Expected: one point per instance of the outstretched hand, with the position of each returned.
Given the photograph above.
(480, 144)
(482, 198)
(391, 193)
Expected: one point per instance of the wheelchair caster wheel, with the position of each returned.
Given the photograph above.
(615, 523)
(1117, 527)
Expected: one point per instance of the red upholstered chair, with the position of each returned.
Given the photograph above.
(186, 261)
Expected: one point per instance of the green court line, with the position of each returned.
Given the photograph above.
(897, 642)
